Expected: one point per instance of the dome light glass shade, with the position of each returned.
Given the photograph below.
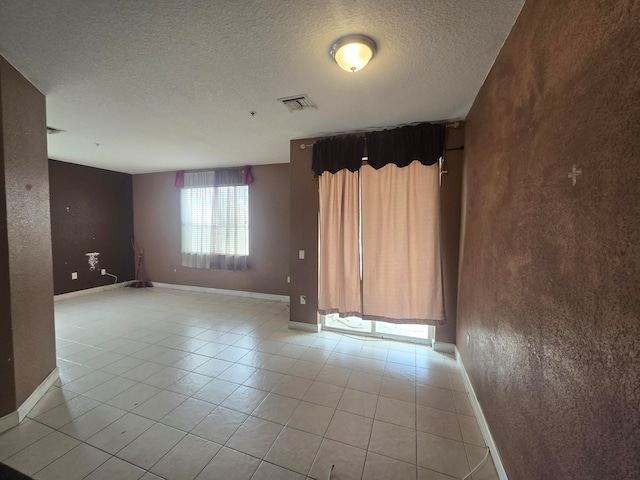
(353, 52)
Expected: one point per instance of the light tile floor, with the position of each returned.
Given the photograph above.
(159, 383)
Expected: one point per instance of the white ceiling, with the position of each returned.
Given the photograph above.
(165, 85)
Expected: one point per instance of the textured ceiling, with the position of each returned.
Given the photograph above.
(164, 85)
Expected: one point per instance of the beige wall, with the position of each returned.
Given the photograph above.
(156, 207)
(549, 307)
(26, 281)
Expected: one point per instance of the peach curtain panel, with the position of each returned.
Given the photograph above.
(380, 225)
(339, 271)
(401, 265)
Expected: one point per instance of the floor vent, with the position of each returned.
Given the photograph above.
(297, 102)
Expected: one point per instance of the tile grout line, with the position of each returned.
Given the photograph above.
(307, 347)
(82, 442)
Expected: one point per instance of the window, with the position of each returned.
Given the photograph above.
(215, 220)
(215, 225)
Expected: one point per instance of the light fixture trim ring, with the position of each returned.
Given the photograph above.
(358, 38)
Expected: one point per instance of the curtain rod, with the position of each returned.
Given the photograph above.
(448, 125)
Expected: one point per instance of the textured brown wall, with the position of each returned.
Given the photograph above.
(550, 271)
(91, 211)
(7, 379)
(304, 232)
(156, 204)
(26, 186)
(450, 206)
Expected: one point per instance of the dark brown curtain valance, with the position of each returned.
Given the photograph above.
(337, 153)
(401, 146)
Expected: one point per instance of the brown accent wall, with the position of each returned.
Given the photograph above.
(549, 308)
(305, 206)
(450, 206)
(7, 375)
(25, 280)
(304, 232)
(91, 211)
(156, 204)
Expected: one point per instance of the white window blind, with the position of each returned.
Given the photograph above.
(215, 226)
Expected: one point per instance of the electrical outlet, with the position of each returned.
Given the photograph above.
(301, 254)
(303, 300)
(74, 275)
(288, 279)
(103, 271)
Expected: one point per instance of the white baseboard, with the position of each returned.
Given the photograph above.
(14, 418)
(236, 293)
(88, 291)
(307, 327)
(37, 394)
(482, 421)
(9, 421)
(443, 347)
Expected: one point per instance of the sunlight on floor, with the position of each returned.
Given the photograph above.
(410, 333)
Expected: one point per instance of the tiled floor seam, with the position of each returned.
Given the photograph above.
(58, 458)
(96, 433)
(325, 360)
(89, 444)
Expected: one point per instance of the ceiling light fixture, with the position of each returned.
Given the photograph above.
(353, 52)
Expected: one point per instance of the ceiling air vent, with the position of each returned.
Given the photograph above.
(53, 131)
(297, 102)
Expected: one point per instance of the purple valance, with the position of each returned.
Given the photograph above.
(179, 182)
(222, 177)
